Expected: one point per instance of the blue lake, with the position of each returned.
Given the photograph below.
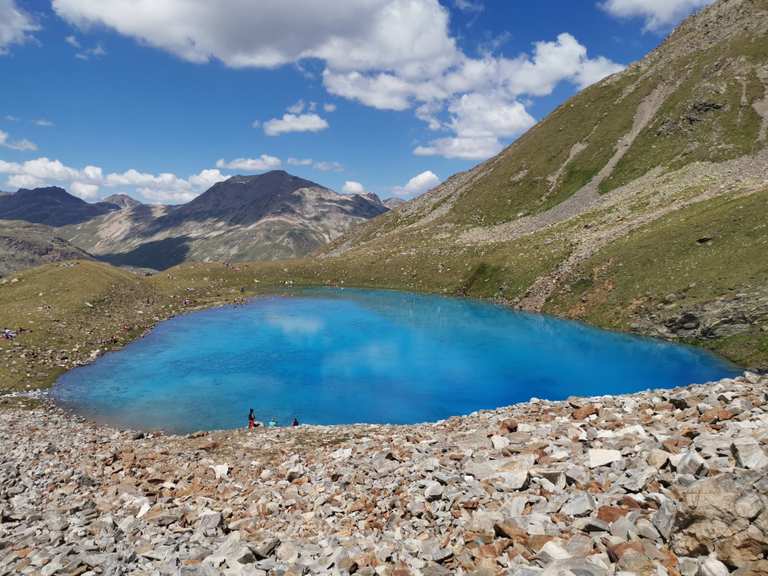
(332, 356)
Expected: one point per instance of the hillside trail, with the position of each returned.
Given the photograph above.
(665, 194)
(584, 199)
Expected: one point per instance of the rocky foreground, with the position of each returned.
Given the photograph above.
(665, 482)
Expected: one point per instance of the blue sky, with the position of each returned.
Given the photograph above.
(162, 98)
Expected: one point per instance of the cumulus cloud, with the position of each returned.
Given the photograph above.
(386, 54)
(466, 89)
(85, 190)
(300, 161)
(329, 107)
(347, 34)
(22, 145)
(294, 123)
(88, 181)
(263, 162)
(353, 187)
(16, 26)
(324, 166)
(658, 14)
(478, 122)
(321, 165)
(417, 185)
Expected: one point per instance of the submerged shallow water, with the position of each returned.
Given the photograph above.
(333, 356)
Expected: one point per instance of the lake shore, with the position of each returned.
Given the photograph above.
(659, 482)
(67, 323)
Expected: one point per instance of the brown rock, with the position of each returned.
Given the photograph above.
(508, 425)
(584, 412)
(611, 513)
(616, 552)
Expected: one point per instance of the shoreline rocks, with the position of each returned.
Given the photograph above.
(664, 482)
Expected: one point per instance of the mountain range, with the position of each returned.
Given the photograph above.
(270, 216)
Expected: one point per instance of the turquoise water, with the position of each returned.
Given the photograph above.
(331, 356)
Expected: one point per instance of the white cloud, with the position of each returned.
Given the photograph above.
(482, 95)
(347, 34)
(353, 187)
(44, 123)
(206, 178)
(469, 5)
(658, 14)
(329, 107)
(23, 181)
(43, 171)
(294, 123)
(84, 190)
(88, 181)
(72, 41)
(417, 185)
(478, 122)
(300, 161)
(297, 108)
(386, 54)
(23, 145)
(16, 26)
(324, 166)
(263, 162)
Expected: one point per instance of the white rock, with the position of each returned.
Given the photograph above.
(220, 470)
(552, 551)
(749, 454)
(342, 454)
(691, 463)
(433, 491)
(601, 457)
(499, 442)
(713, 567)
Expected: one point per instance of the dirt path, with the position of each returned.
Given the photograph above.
(584, 199)
(665, 194)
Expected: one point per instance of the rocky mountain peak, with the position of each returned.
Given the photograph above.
(51, 205)
(122, 200)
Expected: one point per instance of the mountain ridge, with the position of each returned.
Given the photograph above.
(267, 216)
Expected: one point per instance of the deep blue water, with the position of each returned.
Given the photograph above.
(331, 356)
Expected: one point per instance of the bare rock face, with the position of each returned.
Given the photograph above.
(23, 245)
(725, 514)
(266, 217)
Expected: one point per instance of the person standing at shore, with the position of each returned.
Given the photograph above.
(251, 420)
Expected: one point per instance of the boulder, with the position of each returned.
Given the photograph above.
(724, 515)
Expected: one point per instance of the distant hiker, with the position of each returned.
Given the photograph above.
(295, 422)
(251, 420)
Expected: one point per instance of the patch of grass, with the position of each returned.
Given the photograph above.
(672, 256)
(704, 119)
(747, 349)
(518, 181)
